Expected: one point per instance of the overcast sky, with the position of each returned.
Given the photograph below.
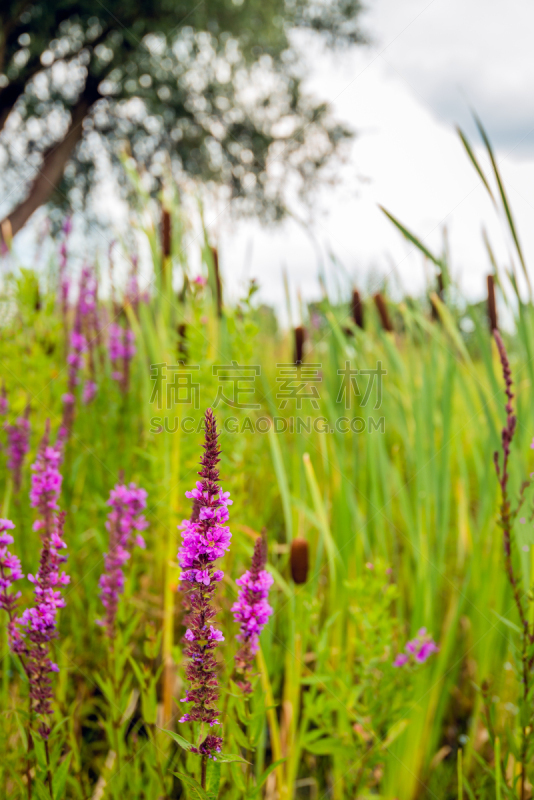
(428, 63)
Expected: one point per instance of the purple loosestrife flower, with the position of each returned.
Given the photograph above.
(75, 361)
(251, 610)
(124, 523)
(205, 538)
(417, 650)
(10, 570)
(64, 283)
(32, 632)
(121, 351)
(89, 392)
(18, 444)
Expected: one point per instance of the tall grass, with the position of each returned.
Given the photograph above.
(400, 520)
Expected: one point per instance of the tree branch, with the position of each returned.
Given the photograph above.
(54, 161)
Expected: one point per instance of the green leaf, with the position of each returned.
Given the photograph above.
(412, 238)
(60, 777)
(263, 777)
(193, 783)
(508, 623)
(474, 161)
(178, 739)
(229, 758)
(42, 790)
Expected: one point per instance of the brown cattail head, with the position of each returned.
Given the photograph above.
(357, 309)
(440, 288)
(300, 337)
(492, 305)
(218, 284)
(299, 560)
(182, 339)
(165, 233)
(383, 311)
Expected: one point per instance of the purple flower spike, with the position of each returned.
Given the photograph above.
(18, 444)
(124, 522)
(252, 611)
(10, 570)
(121, 351)
(32, 632)
(205, 538)
(417, 650)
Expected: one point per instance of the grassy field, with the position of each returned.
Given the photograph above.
(387, 474)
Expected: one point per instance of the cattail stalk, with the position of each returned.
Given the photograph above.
(492, 305)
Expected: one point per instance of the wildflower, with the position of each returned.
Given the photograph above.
(75, 361)
(89, 392)
(205, 538)
(124, 523)
(121, 351)
(417, 650)
(200, 281)
(32, 632)
(18, 444)
(10, 570)
(251, 610)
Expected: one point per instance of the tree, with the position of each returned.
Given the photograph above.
(211, 87)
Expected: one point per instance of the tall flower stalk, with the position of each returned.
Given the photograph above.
(64, 282)
(18, 444)
(121, 351)
(90, 327)
(32, 632)
(124, 523)
(252, 611)
(508, 516)
(205, 538)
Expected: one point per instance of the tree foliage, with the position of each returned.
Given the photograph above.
(212, 88)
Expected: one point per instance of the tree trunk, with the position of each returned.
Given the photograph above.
(53, 165)
(51, 170)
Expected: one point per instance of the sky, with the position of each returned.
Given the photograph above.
(428, 64)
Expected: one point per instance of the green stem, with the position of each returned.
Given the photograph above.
(48, 771)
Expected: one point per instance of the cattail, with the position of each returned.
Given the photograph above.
(357, 309)
(252, 610)
(383, 311)
(218, 283)
(299, 560)
(124, 523)
(205, 538)
(492, 305)
(182, 339)
(165, 233)
(4, 403)
(300, 337)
